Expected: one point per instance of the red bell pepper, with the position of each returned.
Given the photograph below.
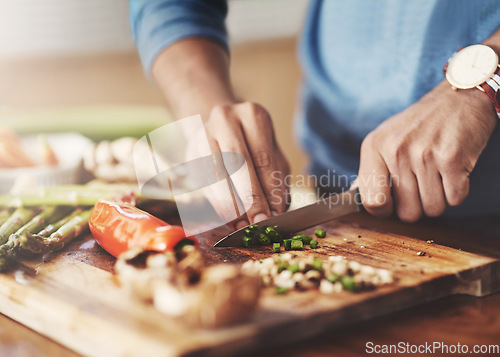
(120, 226)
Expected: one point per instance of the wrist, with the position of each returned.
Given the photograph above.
(480, 104)
(471, 101)
(193, 75)
(472, 70)
(201, 101)
(207, 102)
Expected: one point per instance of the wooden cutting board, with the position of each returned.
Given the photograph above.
(72, 298)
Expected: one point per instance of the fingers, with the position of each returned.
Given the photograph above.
(388, 184)
(455, 168)
(456, 188)
(246, 183)
(430, 185)
(221, 193)
(432, 196)
(429, 151)
(373, 181)
(269, 163)
(406, 196)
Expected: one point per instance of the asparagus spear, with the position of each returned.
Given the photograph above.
(47, 216)
(68, 231)
(69, 195)
(18, 219)
(9, 250)
(24, 234)
(4, 214)
(7, 253)
(23, 240)
(51, 228)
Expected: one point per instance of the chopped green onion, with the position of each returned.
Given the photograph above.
(268, 230)
(294, 268)
(303, 237)
(288, 244)
(314, 244)
(281, 290)
(298, 237)
(307, 240)
(247, 242)
(297, 245)
(253, 227)
(276, 247)
(275, 236)
(282, 266)
(264, 239)
(320, 233)
(348, 283)
(317, 264)
(252, 231)
(333, 278)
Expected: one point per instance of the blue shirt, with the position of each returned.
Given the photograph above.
(363, 61)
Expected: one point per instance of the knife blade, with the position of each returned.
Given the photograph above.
(323, 210)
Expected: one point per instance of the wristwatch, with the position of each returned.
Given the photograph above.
(475, 66)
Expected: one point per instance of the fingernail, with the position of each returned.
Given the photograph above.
(274, 213)
(241, 224)
(259, 217)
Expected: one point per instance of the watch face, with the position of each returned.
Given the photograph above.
(471, 66)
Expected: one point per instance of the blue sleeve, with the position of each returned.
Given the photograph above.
(157, 24)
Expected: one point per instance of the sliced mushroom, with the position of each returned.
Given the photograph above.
(182, 285)
(137, 271)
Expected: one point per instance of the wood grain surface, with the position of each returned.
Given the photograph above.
(72, 298)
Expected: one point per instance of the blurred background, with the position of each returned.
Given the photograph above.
(72, 63)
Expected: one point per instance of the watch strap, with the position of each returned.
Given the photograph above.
(492, 89)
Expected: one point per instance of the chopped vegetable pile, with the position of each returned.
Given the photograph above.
(269, 236)
(287, 272)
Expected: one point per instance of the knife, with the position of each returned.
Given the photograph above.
(325, 209)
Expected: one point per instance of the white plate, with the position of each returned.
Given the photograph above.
(69, 149)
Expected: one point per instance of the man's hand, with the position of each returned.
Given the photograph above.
(246, 129)
(194, 76)
(427, 151)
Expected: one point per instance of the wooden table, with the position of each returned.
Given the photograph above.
(458, 319)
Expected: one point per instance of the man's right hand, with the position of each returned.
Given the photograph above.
(194, 76)
(246, 129)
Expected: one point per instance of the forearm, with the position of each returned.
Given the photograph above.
(193, 75)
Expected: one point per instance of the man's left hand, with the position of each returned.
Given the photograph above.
(419, 160)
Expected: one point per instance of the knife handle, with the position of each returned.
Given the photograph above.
(357, 199)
